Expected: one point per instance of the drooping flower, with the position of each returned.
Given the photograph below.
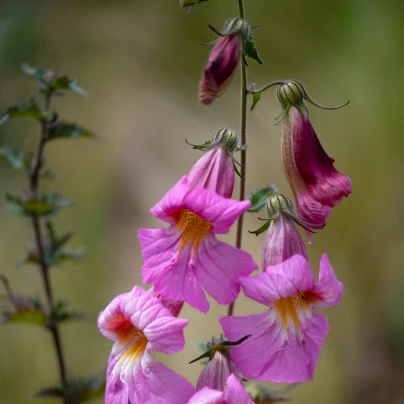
(215, 170)
(223, 61)
(186, 256)
(287, 338)
(139, 324)
(282, 239)
(233, 393)
(316, 184)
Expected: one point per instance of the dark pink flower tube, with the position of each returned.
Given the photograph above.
(221, 67)
(316, 184)
(215, 170)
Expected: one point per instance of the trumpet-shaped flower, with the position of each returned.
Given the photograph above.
(287, 338)
(139, 324)
(317, 185)
(186, 256)
(233, 393)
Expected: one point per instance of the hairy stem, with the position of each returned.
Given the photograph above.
(40, 247)
(243, 133)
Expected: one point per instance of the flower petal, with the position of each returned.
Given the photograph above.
(329, 289)
(291, 276)
(235, 393)
(166, 334)
(207, 396)
(218, 265)
(296, 362)
(180, 282)
(158, 250)
(220, 212)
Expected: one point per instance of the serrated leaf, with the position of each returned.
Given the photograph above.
(250, 50)
(81, 390)
(25, 316)
(260, 197)
(48, 81)
(30, 110)
(46, 205)
(13, 157)
(21, 309)
(61, 313)
(68, 130)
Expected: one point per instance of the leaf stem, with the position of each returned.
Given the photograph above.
(40, 247)
(243, 133)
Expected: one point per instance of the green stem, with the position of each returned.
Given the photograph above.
(269, 85)
(40, 247)
(243, 133)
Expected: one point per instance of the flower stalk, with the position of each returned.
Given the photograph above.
(243, 134)
(39, 244)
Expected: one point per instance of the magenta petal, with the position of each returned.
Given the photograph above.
(180, 282)
(329, 289)
(218, 266)
(214, 172)
(160, 385)
(207, 396)
(166, 334)
(116, 392)
(235, 393)
(291, 277)
(220, 212)
(296, 362)
(158, 249)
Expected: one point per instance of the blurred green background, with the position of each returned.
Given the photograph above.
(141, 62)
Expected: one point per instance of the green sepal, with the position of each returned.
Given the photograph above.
(49, 83)
(77, 390)
(28, 110)
(27, 315)
(45, 205)
(256, 96)
(250, 50)
(262, 229)
(260, 197)
(68, 130)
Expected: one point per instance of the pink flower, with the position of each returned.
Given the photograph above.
(282, 239)
(139, 324)
(186, 256)
(215, 170)
(233, 393)
(287, 338)
(221, 67)
(316, 184)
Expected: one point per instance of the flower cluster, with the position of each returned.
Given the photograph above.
(184, 260)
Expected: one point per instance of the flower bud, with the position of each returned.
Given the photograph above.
(215, 170)
(282, 240)
(218, 370)
(190, 3)
(222, 62)
(316, 184)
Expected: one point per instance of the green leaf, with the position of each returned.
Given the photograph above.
(21, 309)
(81, 390)
(48, 81)
(13, 157)
(250, 50)
(68, 130)
(260, 197)
(30, 110)
(46, 205)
